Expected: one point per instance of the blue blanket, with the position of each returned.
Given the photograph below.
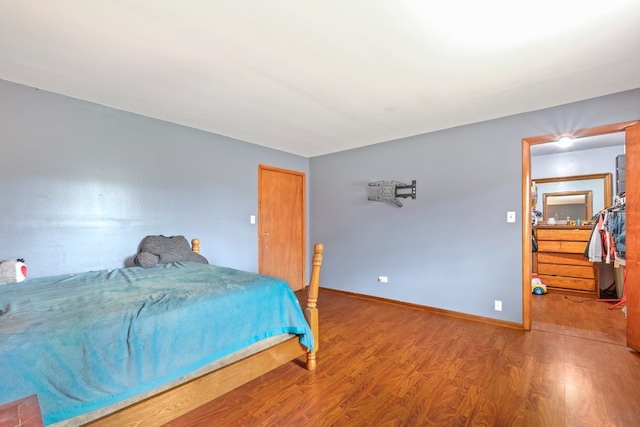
(85, 341)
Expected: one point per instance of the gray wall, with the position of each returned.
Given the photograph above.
(451, 248)
(82, 184)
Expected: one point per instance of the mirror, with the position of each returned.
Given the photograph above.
(568, 204)
(578, 196)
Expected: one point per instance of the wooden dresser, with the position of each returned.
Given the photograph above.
(560, 260)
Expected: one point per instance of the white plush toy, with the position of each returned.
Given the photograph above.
(12, 271)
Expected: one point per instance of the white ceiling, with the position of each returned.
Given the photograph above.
(315, 77)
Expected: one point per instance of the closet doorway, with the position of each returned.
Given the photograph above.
(632, 143)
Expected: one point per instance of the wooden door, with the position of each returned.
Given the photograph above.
(632, 282)
(282, 224)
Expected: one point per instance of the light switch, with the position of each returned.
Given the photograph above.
(252, 219)
(511, 216)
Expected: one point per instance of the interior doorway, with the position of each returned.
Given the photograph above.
(573, 307)
(527, 143)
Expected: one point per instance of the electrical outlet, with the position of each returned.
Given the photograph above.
(383, 279)
(498, 305)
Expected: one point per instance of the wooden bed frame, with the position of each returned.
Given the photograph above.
(183, 398)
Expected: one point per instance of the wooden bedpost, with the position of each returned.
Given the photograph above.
(195, 245)
(311, 312)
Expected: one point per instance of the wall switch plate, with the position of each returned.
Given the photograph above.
(383, 279)
(498, 305)
(252, 219)
(511, 216)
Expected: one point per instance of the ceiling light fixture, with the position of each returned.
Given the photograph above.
(565, 141)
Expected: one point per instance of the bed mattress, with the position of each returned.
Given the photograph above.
(87, 341)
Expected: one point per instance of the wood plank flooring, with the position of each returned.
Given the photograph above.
(578, 315)
(384, 364)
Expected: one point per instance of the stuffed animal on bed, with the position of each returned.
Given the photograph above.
(12, 271)
(163, 250)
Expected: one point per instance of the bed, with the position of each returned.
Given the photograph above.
(137, 346)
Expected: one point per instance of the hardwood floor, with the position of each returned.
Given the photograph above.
(578, 315)
(383, 364)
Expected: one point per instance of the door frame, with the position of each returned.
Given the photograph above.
(526, 201)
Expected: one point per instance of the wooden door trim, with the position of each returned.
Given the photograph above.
(632, 282)
(526, 201)
(303, 247)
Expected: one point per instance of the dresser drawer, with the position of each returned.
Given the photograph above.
(572, 283)
(568, 234)
(566, 270)
(566, 246)
(563, 258)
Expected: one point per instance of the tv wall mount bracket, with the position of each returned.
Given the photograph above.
(391, 191)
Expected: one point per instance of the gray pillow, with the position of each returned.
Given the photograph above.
(163, 250)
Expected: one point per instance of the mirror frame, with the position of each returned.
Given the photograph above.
(607, 181)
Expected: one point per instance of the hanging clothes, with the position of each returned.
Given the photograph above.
(608, 236)
(619, 232)
(594, 247)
